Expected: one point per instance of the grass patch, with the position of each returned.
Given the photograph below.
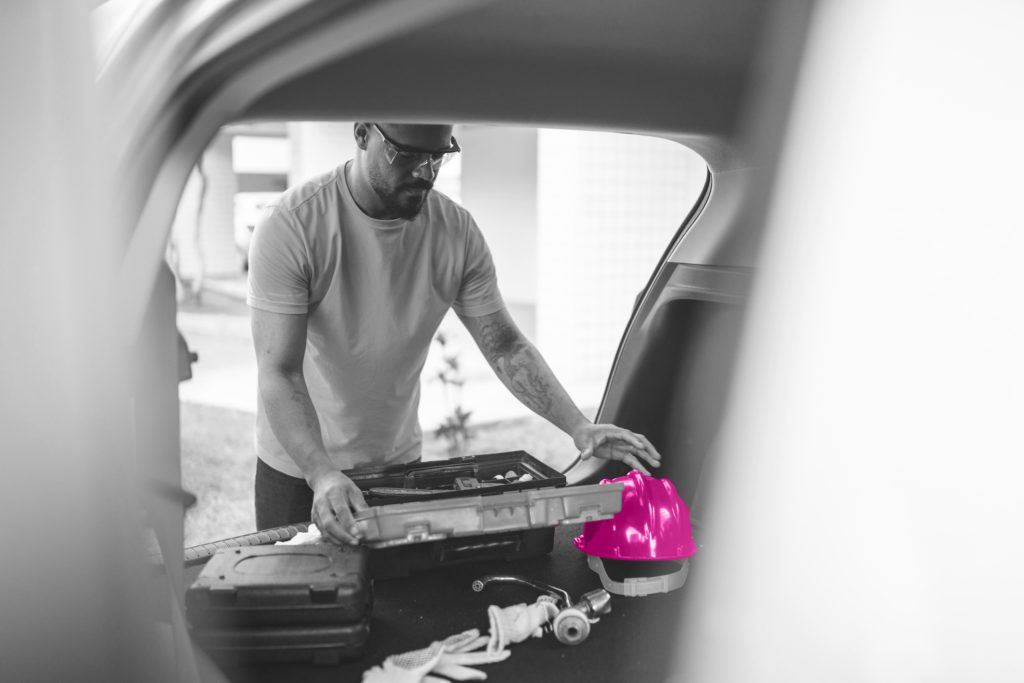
(217, 465)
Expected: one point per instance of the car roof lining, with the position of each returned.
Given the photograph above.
(481, 66)
(458, 62)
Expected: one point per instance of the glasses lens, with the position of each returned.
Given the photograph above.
(438, 160)
(415, 160)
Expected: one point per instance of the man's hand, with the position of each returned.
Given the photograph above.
(335, 498)
(614, 443)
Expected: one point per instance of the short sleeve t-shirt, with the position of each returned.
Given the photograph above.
(375, 292)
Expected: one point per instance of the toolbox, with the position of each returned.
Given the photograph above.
(487, 474)
(325, 644)
(483, 507)
(312, 603)
(309, 603)
(280, 585)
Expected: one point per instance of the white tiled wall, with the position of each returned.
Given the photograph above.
(608, 206)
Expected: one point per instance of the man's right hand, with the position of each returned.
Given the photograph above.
(335, 498)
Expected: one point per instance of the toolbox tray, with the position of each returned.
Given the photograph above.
(423, 520)
(323, 645)
(404, 523)
(436, 480)
(280, 585)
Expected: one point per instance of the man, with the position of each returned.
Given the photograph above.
(350, 275)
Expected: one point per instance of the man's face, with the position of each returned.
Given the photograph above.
(403, 181)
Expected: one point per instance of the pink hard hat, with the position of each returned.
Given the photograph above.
(654, 523)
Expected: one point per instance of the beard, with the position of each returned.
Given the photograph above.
(405, 200)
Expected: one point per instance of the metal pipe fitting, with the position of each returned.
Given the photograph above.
(571, 625)
(553, 591)
(595, 603)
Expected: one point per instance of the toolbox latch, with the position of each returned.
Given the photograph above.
(323, 593)
(418, 533)
(222, 596)
(589, 513)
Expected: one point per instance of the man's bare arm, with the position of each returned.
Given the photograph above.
(521, 368)
(280, 341)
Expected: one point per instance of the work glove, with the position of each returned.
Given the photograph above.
(516, 623)
(447, 657)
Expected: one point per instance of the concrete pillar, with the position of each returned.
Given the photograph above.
(499, 186)
(217, 226)
(203, 242)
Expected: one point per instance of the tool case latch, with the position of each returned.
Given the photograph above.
(319, 593)
(222, 596)
(418, 533)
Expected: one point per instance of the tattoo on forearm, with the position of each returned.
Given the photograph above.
(513, 360)
(301, 403)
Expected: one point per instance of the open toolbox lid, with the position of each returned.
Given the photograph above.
(473, 495)
(403, 523)
(485, 474)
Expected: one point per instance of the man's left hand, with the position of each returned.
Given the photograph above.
(615, 443)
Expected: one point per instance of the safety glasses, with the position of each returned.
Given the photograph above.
(410, 157)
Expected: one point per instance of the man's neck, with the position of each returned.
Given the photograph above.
(362, 194)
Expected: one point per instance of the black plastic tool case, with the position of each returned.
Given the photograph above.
(307, 603)
(279, 586)
(325, 644)
(433, 514)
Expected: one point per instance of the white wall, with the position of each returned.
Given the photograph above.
(607, 207)
(318, 147)
(499, 186)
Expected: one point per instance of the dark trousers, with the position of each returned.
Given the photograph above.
(280, 499)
